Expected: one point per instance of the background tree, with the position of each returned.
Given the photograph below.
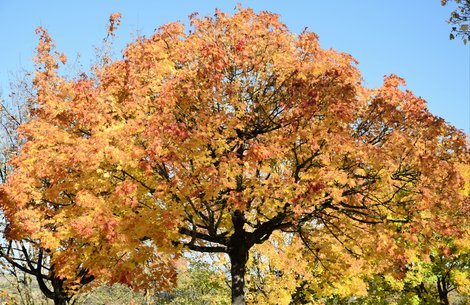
(24, 262)
(199, 283)
(459, 19)
(212, 140)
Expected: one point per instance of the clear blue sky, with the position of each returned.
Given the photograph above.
(407, 37)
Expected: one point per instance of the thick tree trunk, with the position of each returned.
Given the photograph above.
(238, 262)
(238, 254)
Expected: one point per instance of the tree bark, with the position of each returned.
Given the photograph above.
(238, 254)
(60, 300)
(60, 295)
(238, 262)
(442, 289)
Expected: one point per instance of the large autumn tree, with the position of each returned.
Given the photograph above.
(215, 138)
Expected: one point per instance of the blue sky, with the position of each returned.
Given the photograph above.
(408, 38)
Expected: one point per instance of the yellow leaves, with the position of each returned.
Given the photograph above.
(323, 270)
(426, 214)
(336, 194)
(341, 177)
(237, 115)
(49, 241)
(462, 279)
(352, 286)
(269, 274)
(394, 283)
(360, 172)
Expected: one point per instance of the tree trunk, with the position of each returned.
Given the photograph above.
(442, 289)
(59, 294)
(238, 254)
(60, 300)
(238, 262)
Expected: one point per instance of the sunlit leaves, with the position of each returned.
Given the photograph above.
(234, 120)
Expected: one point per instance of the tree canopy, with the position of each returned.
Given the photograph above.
(235, 136)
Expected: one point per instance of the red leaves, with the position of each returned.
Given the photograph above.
(240, 45)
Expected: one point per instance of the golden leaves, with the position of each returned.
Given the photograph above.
(237, 115)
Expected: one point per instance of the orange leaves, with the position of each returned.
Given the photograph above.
(93, 221)
(259, 152)
(44, 48)
(236, 116)
(127, 192)
(30, 220)
(393, 81)
(114, 22)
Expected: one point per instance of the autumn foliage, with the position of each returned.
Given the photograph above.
(237, 137)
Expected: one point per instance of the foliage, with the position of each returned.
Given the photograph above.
(235, 137)
(420, 286)
(19, 288)
(459, 19)
(200, 283)
(441, 278)
(25, 263)
(116, 294)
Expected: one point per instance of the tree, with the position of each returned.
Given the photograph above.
(459, 18)
(214, 139)
(199, 283)
(25, 260)
(442, 278)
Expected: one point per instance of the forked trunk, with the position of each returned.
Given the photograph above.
(443, 292)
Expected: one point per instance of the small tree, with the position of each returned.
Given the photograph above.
(199, 283)
(459, 19)
(24, 261)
